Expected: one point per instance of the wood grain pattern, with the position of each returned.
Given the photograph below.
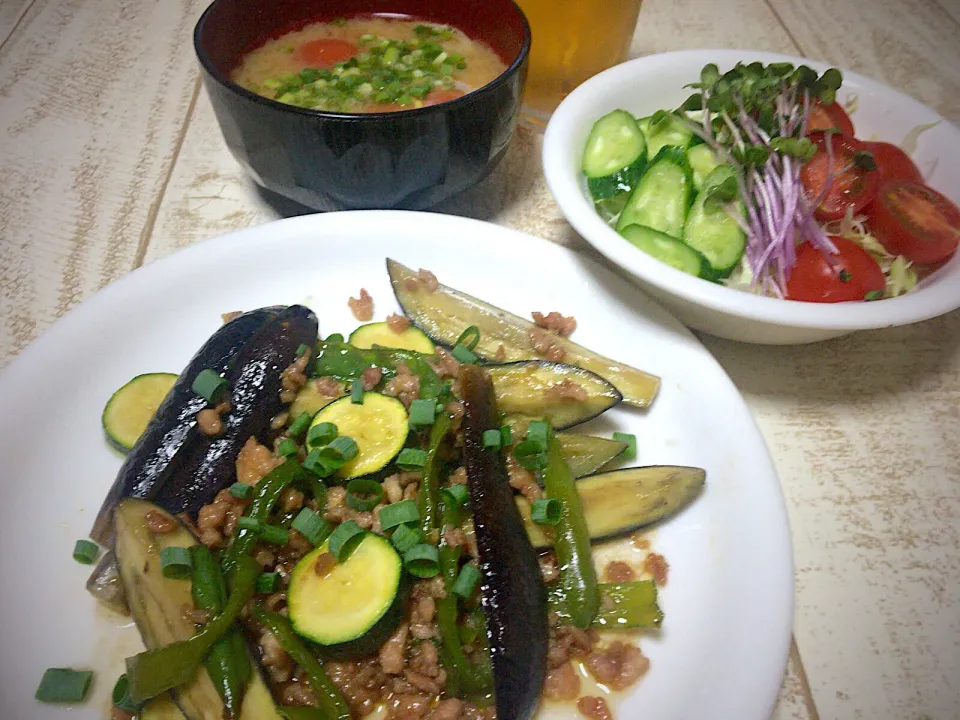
(11, 11)
(951, 8)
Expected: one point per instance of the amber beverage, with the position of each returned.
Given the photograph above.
(572, 40)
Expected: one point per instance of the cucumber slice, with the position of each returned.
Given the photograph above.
(379, 333)
(702, 162)
(379, 426)
(712, 232)
(615, 155)
(131, 408)
(666, 249)
(663, 195)
(667, 131)
(350, 600)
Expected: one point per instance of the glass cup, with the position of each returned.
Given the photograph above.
(572, 40)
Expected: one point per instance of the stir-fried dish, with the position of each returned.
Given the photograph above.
(398, 521)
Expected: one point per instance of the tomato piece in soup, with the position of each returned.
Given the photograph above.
(324, 53)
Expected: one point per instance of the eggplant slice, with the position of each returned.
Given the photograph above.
(585, 454)
(444, 313)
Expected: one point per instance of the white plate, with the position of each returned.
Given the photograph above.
(729, 599)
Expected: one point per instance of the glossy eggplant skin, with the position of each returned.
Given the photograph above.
(254, 386)
(172, 434)
(514, 596)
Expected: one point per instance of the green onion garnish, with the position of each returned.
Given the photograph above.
(423, 412)
(506, 435)
(245, 522)
(63, 685)
(469, 338)
(208, 384)
(342, 448)
(463, 354)
(546, 511)
(364, 494)
(455, 495)
(422, 561)
(121, 695)
(176, 562)
(85, 552)
(286, 447)
(399, 513)
(466, 581)
(321, 434)
(630, 451)
(274, 534)
(492, 439)
(296, 428)
(538, 432)
(530, 455)
(405, 537)
(356, 393)
(345, 539)
(411, 459)
(313, 527)
(241, 491)
(267, 583)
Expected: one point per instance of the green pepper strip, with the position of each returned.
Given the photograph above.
(302, 712)
(330, 700)
(345, 362)
(227, 664)
(155, 671)
(429, 494)
(578, 578)
(624, 606)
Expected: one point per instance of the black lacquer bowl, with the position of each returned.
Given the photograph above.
(410, 159)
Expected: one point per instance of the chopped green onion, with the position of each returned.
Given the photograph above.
(630, 451)
(399, 513)
(364, 494)
(455, 495)
(343, 448)
(356, 393)
(423, 412)
(296, 428)
(405, 537)
(176, 562)
(63, 685)
(241, 491)
(313, 527)
(422, 561)
(85, 552)
(121, 695)
(463, 354)
(506, 435)
(302, 349)
(314, 463)
(530, 455)
(466, 581)
(286, 447)
(546, 511)
(874, 295)
(492, 439)
(345, 539)
(267, 583)
(469, 337)
(245, 522)
(411, 459)
(208, 384)
(274, 534)
(538, 432)
(322, 434)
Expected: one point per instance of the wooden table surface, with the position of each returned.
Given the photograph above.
(110, 158)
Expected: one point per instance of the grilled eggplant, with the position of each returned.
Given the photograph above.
(585, 454)
(513, 593)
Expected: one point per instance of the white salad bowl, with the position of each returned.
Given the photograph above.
(648, 84)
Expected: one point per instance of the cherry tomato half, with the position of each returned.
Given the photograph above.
(849, 275)
(893, 163)
(852, 185)
(915, 221)
(824, 117)
(324, 53)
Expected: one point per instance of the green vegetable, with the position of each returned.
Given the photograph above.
(466, 582)
(428, 498)
(131, 408)
(615, 155)
(63, 685)
(423, 412)
(313, 527)
(208, 384)
(405, 537)
(411, 459)
(546, 511)
(357, 450)
(175, 562)
(380, 334)
(422, 561)
(241, 491)
(624, 606)
(267, 583)
(85, 552)
(297, 427)
(630, 451)
(344, 540)
(399, 513)
(121, 696)
(364, 494)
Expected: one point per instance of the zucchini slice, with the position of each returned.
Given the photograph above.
(378, 425)
(619, 502)
(445, 313)
(667, 250)
(585, 454)
(711, 231)
(379, 333)
(662, 198)
(131, 408)
(702, 161)
(667, 131)
(535, 389)
(615, 155)
(160, 708)
(351, 600)
(309, 400)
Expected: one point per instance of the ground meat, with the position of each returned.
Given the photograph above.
(471, 537)
(291, 500)
(160, 523)
(446, 364)
(566, 389)
(449, 709)
(362, 307)
(543, 344)
(426, 660)
(454, 537)
(329, 387)
(337, 510)
(428, 280)
(298, 693)
(501, 354)
(392, 490)
(408, 707)
(556, 322)
(410, 491)
(617, 666)
(639, 542)
(523, 480)
(194, 615)
(566, 642)
(255, 461)
(275, 602)
(398, 323)
(228, 316)
(549, 567)
(209, 420)
(371, 378)
(360, 681)
(275, 660)
(216, 520)
(422, 682)
(279, 420)
(394, 650)
(405, 386)
(423, 610)
(657, 566)
(293, 376)
(434, 587)
(562, 683)
(619, 572)
(594, 708)
(458, 476)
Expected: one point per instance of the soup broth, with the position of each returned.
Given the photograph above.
(368, 64)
